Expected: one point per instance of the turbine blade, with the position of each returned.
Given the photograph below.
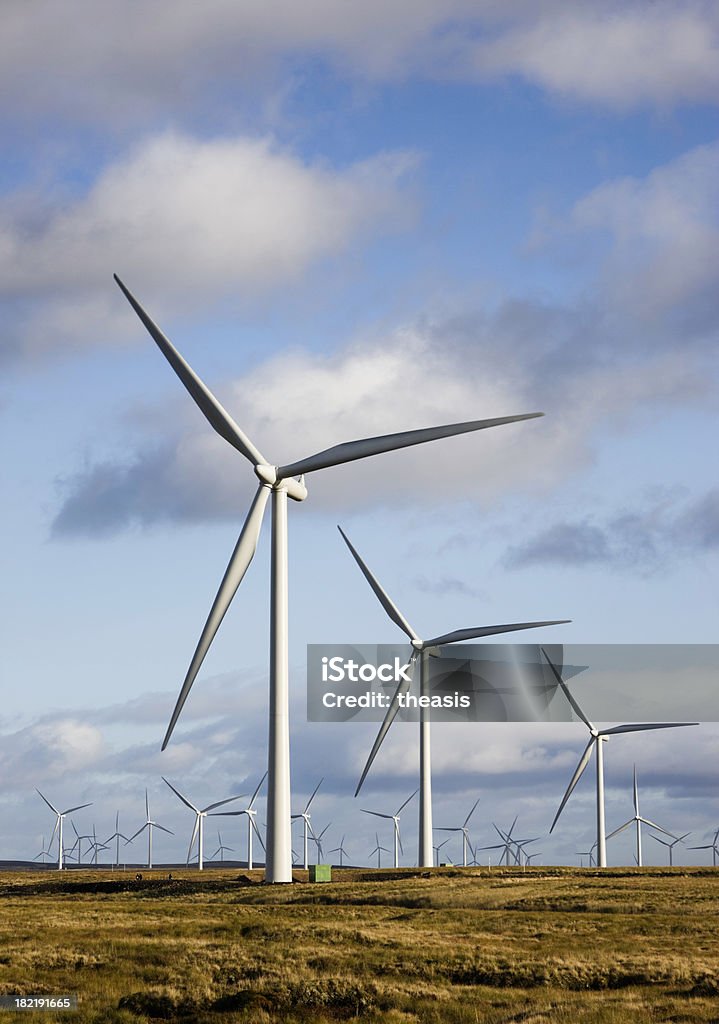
(78, 808)
(621, 828)
(239, 562)
(384, 599)
(473, 632)
(399, 839)
(259, 787)
(141, 829)
(466, 820)
(653, 824)
(578, 772)
(364, 448)
(406, 802)
(641, 727)
(377, 814)
(636, 793)
(566, 692)
(53, 809)
(314, 793)
(443, 828)
(220, 803)
(213, 412)
(257, 832)
(184, 799)
(392, 711)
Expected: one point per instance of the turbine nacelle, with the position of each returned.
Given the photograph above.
(270, 475)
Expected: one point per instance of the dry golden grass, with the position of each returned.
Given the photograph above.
(451, 946)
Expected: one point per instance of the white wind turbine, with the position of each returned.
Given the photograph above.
(506, 844)
(465, 833)
(117, 835)
(341, 850)
(378, 850)
(251, 825)
(711, 846)
(43, 852)
(422, 650)
(59, 824)
(149, 825)
(637, 820)
(438, 848)
(596, 738)
(394, 818)
(317, 840)
(670, 846)
(77, 845)
(307, 832)
(200, 815)
(96, 846)
(281, 483)
(221, 849)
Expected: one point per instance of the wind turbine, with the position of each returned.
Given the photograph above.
(200, 815)
(395, 819)
(221, 849)
(43, 852)
(670, 846)
(78, 843)
(378, 850)
(117, 836)
(711, 846)
(95, 846)
(637, 820)
(251, 825)
(307, 827)
(587, 853)
(422, 650)
(318, 842)
(465, 833)
(596, 738)
(58, 825)
(149, 825)
(341, 850)
(281, 483)
(439, 847)
(505, 845)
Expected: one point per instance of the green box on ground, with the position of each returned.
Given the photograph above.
(320, 872)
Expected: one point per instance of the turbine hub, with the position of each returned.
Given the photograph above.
(267, 474)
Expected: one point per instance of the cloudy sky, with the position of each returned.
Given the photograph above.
(352, 219)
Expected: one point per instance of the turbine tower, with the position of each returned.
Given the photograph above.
(251, 825)
(149, 825)
(307, 832)
(281, 482)
(58, 825)
(596, 738)
(395, 819)
(200, 815)
(465, 833)
(422, 650)
(637, 820)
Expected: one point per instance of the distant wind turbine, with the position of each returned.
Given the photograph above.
(465, 833)
(394, 818)
(58, 825)
(637, 820)
(117, 835)
(378, 850)
(711, 846)
(341, 850)
(317, 840)
(422, 650)
(200, 815)
(149, 825)
(281, 483)
(221, 849)
(670, 846)
(43, 852)
(307, 832)
(439, 847)
(251, 813)
(596, 738)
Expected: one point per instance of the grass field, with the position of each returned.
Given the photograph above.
(449, 946)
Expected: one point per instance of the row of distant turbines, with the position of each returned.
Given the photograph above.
(283, 482)
(513, 849)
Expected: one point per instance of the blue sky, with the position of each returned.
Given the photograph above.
(352, 220)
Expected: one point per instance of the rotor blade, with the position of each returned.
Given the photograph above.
(392, 711)
(473, 632)
(662, 841)
(566, 692)
(184, 799)
(387, 603)
(162, 828)
(377, 814)
(78, 808)
(220, 803)
(578, 772)
(257, 832)
(239, 562)
(636, 793)
(141, 829)
(406, 802)
(399, 838)
(147, 805)
(641, 727)
(362, 449)
(213, 412)
(259, 787)
(653, 824)
(466, 820)
(53, 809)
(621, 828)
(444, 828)
(314, 792)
